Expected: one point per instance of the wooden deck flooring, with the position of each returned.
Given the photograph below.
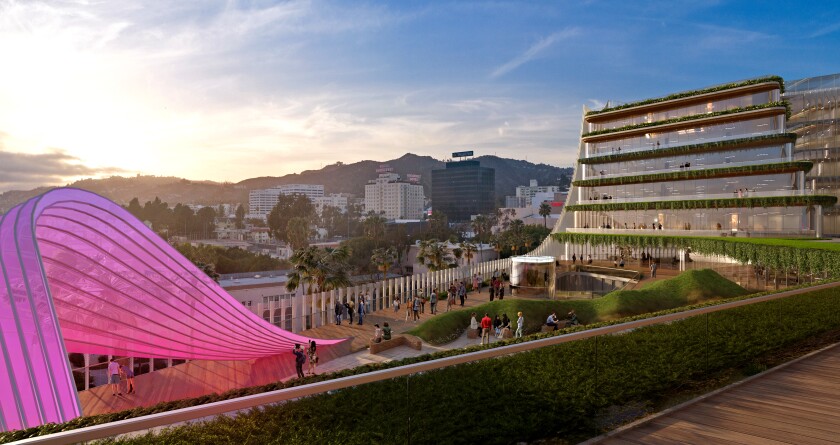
(795, 404)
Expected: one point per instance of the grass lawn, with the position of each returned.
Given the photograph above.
(687, 288)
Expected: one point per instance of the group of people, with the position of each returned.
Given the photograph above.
(575, 258)
(500, 326)
(417, 305)
(497, 288)
(301, 356)
(554, 322)
(117, 373)
(346, 310)
(380, 334)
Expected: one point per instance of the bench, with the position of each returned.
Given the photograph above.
(397, 340)
(547, 328)
(472, 333)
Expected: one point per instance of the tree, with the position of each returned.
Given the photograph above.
(374, 227)
(288, 207)
(545, 210)
(240, 217)
(298, 232)
(319, 269)
(205, 221)
(383, 258)
(482, 226)
(435, 255)
(469, 250)
(439, 225)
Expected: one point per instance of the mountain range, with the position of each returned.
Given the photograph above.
(336, 178)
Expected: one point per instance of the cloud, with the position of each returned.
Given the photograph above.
(825, 30)
(533, 52)
(23, 171)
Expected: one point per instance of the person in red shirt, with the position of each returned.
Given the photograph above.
(486, 324)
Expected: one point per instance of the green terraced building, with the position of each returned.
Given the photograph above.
(715, 161)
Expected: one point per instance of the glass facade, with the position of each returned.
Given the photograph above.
(758, 221)
(719, 130)
(692, 108)
(815, 121)
(464, 189)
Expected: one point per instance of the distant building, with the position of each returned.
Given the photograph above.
(525, 194)
(393, 198)
(261, 202)
(338, 201)
(463, 189)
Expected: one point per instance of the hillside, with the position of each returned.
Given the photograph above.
(349, 178)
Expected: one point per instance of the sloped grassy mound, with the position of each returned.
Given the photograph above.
(687, 288)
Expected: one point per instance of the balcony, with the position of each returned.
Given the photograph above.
(673, 232)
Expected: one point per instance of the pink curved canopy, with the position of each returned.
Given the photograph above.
(81, 274)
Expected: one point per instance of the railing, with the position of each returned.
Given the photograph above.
(668, 144)
(228, 406)
(690, 167)
(693, 232)
(748, 194)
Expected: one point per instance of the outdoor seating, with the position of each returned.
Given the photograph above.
(398, 340)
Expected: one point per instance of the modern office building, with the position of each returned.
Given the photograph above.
(714, 161)
(390, 196)
(815, 121)
(261, 202)
(464, 189)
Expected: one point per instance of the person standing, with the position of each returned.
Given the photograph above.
(474, 325)
(338, 309)
(433, 300)
(350, 309)
(501, 290)
(476, 284)
(114, 376)
(486, 324)
(345, 312)
(396, 305)
(299, 359)
(492, 290)
(423, 304)
(520, 324)
(574, 258)
(462, 292)
(313, 357)
(362, 310)
(450, 297)
(653, 267)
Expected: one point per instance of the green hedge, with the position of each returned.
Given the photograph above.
(719, 203)
(691, 117)
(554, 391)
(696, 173)
(724, 87)
(816, 257)
(690, 149)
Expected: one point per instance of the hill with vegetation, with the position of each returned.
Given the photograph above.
(685, 289)
(336, 178)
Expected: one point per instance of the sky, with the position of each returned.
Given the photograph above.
(230, 90)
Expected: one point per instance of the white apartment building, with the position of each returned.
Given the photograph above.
(393, 198)
(337, 200)
(526, 193)
(261, 202)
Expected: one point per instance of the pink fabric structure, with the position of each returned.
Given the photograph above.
(81, 274)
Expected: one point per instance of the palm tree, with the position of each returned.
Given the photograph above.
(319, 269)
(545, 210)
(383, 258)
(469, 250)
(435, 255)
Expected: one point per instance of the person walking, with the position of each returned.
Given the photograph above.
(486, 324)
(128, 373)
(423, 304)
(299, 359)
(653, 267)
(417, 306)
(345, 312)
(114, 376)
(313, 357)
(574, 258)
(450, 298)
(462, 292)
(350, 305)
(520, 324)
(433, 300)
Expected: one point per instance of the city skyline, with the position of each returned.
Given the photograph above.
(226, 91)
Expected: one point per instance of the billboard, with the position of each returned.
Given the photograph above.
(462, 154)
